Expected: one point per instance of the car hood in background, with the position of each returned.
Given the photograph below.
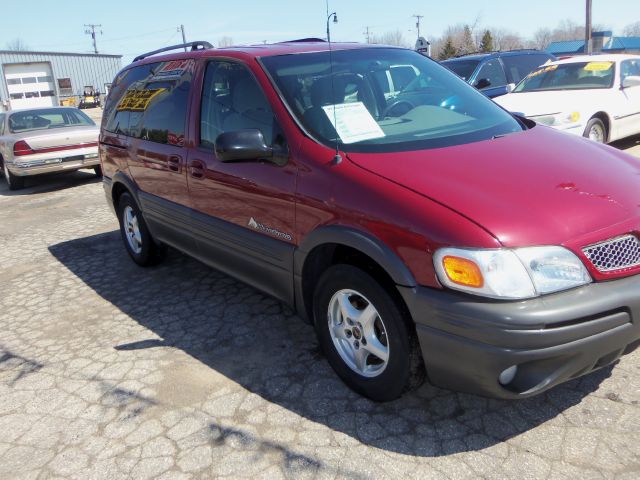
(536, 187)
(553, 101)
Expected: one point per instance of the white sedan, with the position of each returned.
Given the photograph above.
(595, 96)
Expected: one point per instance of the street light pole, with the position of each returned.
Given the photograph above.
(335, 20)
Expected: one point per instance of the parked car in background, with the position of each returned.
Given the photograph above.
(595, 96)
(487, 249)
(497, 73)
(44, 140)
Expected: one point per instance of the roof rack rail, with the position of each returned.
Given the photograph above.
(480, 52)
(305, 40)
(194, 46)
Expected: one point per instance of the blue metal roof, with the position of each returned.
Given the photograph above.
(568, 46)
(623, 43)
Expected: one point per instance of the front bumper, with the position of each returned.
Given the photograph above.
(37, 164)
(467, 342)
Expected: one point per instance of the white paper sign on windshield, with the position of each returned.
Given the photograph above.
(353, 122)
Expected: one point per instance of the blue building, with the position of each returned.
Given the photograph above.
(602, 42)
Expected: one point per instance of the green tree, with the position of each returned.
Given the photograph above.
(486, 44)
(468, 45)
(448, 50)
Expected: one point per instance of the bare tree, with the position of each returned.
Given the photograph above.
(17, 45)
(632, 30)
(225, 41)
(394, 37)
(506, 40)
(541, 38)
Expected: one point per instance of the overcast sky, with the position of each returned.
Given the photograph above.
(132, 27)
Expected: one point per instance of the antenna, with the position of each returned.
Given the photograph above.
(337, 158)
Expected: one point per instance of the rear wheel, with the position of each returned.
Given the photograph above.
(135, 234)
(596, 131)
(14, 182)
(363, 334)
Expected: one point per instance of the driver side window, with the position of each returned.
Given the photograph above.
(232, 100)
(493, 72)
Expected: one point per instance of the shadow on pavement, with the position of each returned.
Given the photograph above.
(50, 182)
(260, 344)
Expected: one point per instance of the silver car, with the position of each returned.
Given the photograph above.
(43, 140)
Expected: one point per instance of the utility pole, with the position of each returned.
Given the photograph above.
(367, 34)
(184, 39)
(91, 30)
(418, 17)
(587, 31)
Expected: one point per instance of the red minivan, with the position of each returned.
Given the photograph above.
(418, 226)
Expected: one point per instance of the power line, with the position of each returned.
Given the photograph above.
(91, 30)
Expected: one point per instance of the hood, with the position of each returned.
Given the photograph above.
(542, 103)
(536, 187)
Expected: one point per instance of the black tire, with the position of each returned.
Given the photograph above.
(98, 171)
(14, 182)
(149, 253)
(404, 368)
(596, 125)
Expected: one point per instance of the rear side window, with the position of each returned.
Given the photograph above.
(151, 103)
(519, 66)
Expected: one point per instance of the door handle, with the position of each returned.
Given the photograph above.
(174, 163)
(197, 169)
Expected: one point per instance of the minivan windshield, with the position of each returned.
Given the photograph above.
(354, 101)
(47, 118)
(569, 76)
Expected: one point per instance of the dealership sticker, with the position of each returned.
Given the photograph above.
(353, 122)
(598, 66)
(138, 100)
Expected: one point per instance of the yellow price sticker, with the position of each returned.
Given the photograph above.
(138, 100)
(598, 66)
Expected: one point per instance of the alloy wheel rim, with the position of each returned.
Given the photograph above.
(132, 230)
(358, 333)
(596, 133)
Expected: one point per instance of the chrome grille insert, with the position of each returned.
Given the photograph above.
(615, 254)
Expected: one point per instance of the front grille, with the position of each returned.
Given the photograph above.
(616, 254)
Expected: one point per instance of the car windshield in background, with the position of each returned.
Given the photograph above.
(375, 110)
(47, 118)
(463, 68)
(569, 76)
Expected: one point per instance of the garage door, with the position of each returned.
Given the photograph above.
(30, 85)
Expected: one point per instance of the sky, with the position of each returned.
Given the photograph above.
(133, 27)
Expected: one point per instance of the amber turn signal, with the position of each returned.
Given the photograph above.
(463, 271)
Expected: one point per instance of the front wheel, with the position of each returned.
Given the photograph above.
(596, 131)
(135, 234)
(363, 334)
(14, 182)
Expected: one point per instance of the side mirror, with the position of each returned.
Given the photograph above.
(482, 83)
(511, 87)
(631, 81)
(242, 146)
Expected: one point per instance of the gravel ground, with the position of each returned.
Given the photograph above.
(108, 370)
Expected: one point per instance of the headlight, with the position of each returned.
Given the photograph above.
(510, 273)
(557, 119)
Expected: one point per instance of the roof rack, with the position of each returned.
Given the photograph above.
(200, 45)
(305, 40)
(479, 52)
